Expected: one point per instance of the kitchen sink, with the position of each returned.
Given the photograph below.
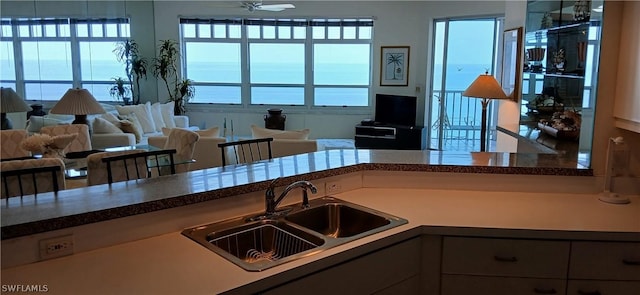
(338, 220)
(256, 244)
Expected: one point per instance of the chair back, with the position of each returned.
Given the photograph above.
(32, 176)
(10, 141)
(246, 151)
(184, 142)
(110, 167)
(82, 141)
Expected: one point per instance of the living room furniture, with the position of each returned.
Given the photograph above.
(246, 151)
(81, 143)
(78, 102)
(202, 156)
(392, 137)
(10, 144)
(31, 176)
(184, 142)
(286, 142)
(107, 140)
(10, 102)
(110, 167)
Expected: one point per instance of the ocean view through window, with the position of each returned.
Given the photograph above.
(304, 62)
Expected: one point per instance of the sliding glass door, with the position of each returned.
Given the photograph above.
(463, 49)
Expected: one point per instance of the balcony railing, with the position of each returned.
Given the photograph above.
(459, 126)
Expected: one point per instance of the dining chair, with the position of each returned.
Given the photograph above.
(110, 167)
(81, 143)
(10, 141)
(246, 151)
(31, 176)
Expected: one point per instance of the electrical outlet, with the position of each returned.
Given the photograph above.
(333, 187)
(56, 247)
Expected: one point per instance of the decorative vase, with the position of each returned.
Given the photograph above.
(275, 119)
(36, 110)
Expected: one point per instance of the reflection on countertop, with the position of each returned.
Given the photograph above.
(528, 134)
(49, 211)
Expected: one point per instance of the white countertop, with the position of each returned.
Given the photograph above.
(173, 264)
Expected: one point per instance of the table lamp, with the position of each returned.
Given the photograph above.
(78, 102)
(10, 102)
(487, 88)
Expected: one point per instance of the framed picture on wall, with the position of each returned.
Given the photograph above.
(394, 66)
(512, 63)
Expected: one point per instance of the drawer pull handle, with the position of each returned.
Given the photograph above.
(630, 262)
(588, 292)
(545, 291)
(505, 258)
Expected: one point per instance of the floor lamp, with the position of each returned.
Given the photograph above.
(485, 87)
(78, 102)
(10, 102)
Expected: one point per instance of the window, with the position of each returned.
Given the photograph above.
(305, 62)
(43, 57)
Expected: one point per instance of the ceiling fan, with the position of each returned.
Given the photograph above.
(252, 6)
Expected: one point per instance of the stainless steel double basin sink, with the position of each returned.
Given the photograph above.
(256, 244)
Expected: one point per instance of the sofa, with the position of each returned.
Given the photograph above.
(120, 125)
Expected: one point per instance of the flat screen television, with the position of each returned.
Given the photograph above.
(395, 109)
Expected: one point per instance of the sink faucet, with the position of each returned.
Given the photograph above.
(270, 197)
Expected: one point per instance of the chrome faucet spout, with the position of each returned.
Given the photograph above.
(271, 202)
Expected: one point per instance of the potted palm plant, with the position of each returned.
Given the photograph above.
(135, 65)
(120, 91)
(165, 67)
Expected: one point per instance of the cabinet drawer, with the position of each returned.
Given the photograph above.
(505, 257)
(605, 261)
(578, 287)
(463, 284)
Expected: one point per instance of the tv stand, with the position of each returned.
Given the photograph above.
(391, 137)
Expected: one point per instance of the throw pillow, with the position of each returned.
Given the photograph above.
(129, 127)
(143, 112)
(135, 124)
(259, 132)
(156, 112)
(166, 131)
(111, 117)
(102, 126)
(168, 113)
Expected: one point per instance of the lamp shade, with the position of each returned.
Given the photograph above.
(77, 101)
(485, 86)
(11, 102)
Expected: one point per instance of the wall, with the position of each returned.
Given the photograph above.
(604, 123)
(396, 23)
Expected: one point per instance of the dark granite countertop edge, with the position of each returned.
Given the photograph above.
(50, 224)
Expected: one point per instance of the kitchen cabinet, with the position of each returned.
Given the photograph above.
(627, 99)
(391, 270)
(472, 265)
(503, 266)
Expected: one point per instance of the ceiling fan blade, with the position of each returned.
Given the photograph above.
(275, 7)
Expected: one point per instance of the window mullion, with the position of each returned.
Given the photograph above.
(245, 88)
(76, 67)
(18, 62)
(309, 87)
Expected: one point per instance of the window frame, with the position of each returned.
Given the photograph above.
(309, 42)
(64, 30)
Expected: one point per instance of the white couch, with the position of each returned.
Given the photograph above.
(106, 140)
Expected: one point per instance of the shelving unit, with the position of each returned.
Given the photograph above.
(566, 36)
